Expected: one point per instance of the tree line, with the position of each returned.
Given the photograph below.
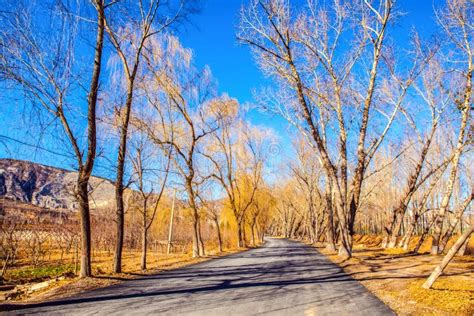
(134, 94)
(381, 122)
(385, 127)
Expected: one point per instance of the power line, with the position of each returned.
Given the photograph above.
(35, 146)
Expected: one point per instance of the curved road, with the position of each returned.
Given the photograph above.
(282, 277)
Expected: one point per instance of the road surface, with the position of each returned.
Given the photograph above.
(282, 277)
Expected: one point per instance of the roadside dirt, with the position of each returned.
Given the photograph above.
(396, 277)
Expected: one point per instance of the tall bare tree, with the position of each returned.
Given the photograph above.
(457, 21)
(129, 30)
(320, 83)
(431, 92)
(42, 64)
(144, 174)
(180, 96)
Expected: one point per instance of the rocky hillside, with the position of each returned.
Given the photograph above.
(47, 187)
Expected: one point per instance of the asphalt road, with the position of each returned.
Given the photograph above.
(281, 278)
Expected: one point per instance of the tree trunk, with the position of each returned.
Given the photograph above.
(396, 230)
(315, 231)
(331, 245)
(388, 230)
(84, 214)
(406, 239)
(144, 248)
(196, 252)
(345, 247)
(170, 231)
(240, 243)
(239, 236)
(447, 259)
(466, 109)
(257, 231)
(253, 234)
(219, 237)
(144, 235)
(119, 224)
(310, 225)
(202, 251)
(85, 170)
(195, 216)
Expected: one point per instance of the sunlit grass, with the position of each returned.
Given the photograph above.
(454, 296)
(30, 273)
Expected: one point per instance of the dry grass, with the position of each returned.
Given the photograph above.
(395, 276)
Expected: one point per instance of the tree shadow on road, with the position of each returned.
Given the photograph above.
(284, 268)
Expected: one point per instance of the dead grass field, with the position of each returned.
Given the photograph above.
(396, 276)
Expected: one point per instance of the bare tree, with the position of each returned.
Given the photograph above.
(457, 21)
(447, 259)
(45, 71)
(236, 156)
(432, 92)
(143, 170)
(317, 82)
(129, 37)
(180, 97)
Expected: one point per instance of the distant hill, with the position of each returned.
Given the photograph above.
(48, 187)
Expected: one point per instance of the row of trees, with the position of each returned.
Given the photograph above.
(147, 105)
(41, 241)
(304, 208)
(384, 127)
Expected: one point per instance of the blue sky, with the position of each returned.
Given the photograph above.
(214, 41)
(212, 37)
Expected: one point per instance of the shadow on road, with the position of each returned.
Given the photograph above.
(271, 268)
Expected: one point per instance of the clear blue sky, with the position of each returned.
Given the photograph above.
(212, 38)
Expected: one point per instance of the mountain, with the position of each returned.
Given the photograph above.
(48, 187)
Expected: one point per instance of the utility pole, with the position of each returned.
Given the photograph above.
(170, 234)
